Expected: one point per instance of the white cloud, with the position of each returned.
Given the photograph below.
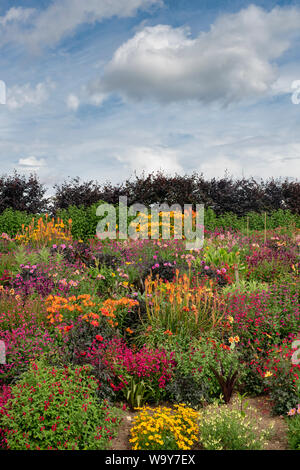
(86, 96)
(97, 99)
(62, 18)
(73, 102)
(289, 73)
(19, 96)
(259, 156)
(231, 62)
(150, 159)
(32, 162)
(16, 15)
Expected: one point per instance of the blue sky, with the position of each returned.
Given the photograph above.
(101, 89)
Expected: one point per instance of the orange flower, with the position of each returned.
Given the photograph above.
(105, 312)
(168, 332)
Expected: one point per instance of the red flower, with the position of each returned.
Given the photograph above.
(99, 338)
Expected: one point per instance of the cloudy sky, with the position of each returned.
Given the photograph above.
(104, 88)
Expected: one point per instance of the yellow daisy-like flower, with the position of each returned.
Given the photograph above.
(268, 374)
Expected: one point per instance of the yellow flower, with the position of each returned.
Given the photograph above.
(268, 374)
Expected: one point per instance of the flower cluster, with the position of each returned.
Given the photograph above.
(165, 428)
(43, 232)
(62, 309)
(114, 309)
(156, 366)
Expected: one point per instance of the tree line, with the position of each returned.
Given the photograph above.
(227, 194)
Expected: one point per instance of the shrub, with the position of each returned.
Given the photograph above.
(57, 409)
(76, 193)
(225, 428)
(22, 193)
(164, 428)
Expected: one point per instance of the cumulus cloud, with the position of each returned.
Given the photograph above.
(150, 159)
(32, 162)
(47, 27)
(19, 96)
(233, 61)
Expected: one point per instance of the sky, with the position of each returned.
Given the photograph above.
(102, 89)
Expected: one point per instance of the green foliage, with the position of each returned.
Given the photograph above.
(11, 221)
(244, 287)
(219, 256)
(85, 220)
(24, 256)
(44, 255)
(255, 220)
(136, 393)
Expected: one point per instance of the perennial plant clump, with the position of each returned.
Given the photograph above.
(225, 428)
(165, 428)
(57, 409)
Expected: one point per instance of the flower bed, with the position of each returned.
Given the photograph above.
(92, 328)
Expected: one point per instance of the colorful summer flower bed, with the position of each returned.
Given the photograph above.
(91, 329)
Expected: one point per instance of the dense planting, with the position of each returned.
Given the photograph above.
(92, 327)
